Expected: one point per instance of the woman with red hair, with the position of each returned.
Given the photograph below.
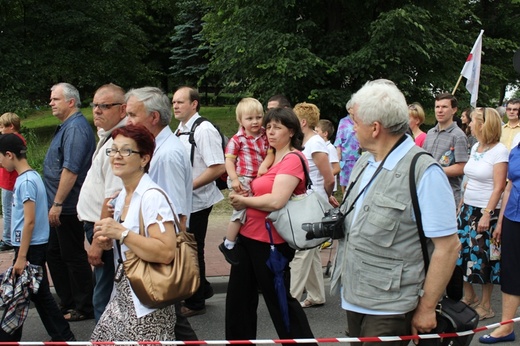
(125, 317)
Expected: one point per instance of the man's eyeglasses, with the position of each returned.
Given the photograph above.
(512, 109)
(104, 106)
(123, 152)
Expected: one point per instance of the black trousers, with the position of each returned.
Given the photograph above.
(242, 295)
(68, 264)
(199, 226)
(55, 325)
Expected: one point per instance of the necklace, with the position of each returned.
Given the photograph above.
(477, 156)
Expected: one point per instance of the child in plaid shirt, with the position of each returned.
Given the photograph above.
(247, 156)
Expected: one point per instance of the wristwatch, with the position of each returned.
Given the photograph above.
(124, 235)
(489, 211)
(56, 204)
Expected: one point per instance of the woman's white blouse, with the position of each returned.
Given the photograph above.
(155, 209)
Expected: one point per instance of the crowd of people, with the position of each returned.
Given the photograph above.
(466, 189)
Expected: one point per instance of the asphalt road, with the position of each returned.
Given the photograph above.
(326, 321)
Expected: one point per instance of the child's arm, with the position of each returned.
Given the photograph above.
(29, 212)
(335, 168)
(232, 173)
(268, 161)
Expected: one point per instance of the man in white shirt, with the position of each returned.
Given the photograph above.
(100, 185)
(170, 167)
(208, 164)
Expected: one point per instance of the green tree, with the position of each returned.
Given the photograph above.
(325, 51)
(86, 43)
(189, 60)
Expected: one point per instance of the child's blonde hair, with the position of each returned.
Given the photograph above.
(8, 119)
(248, 105)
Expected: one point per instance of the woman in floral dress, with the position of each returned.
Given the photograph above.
(347, 146)
(486, 171)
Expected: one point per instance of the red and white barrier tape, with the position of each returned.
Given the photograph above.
(267, 341)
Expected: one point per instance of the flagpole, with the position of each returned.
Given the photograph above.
(456, 85)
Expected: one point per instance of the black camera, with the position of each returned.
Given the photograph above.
(331, 226)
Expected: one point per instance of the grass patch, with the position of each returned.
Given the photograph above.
(39, 127)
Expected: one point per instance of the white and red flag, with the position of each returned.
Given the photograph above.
(471, 69)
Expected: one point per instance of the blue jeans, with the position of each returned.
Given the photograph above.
(104, 276)
(52, 318)
(7, 205)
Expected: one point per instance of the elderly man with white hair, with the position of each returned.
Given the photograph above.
(379, 269)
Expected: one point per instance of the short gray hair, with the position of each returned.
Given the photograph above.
(349, 103)
(69, 93)
(154, 100)
(382, 101)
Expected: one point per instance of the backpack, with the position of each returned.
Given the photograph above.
(222, 180)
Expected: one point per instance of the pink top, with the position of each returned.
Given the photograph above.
(254, 227)
(249, 152)
(419, 140)
(7, 179)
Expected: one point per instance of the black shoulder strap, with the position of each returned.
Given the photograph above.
(417, 210)
(191, 138)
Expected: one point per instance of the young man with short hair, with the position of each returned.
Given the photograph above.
(447, 143)
(30, 235)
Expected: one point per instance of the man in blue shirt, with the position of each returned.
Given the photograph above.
(391, 293)
(65, 167)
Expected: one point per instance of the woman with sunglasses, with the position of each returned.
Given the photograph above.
(486, 172)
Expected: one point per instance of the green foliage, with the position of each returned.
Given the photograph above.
(318, 51)
(189, 61)
(86, 43)
(324, 51)
(35, 150)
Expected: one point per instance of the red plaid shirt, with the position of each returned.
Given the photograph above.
(249, 152)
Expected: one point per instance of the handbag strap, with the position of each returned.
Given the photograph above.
(141, 220)
(308, 181)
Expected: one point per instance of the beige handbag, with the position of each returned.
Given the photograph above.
(158, 285)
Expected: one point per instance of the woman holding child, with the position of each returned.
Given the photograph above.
(125, 317)
(270, 192)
